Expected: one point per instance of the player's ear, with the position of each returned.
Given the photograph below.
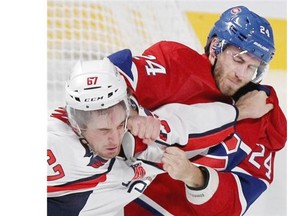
(212, 52)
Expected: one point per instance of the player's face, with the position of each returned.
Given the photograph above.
(234, 69)
(105, 131)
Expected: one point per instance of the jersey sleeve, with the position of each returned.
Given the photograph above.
(232, 193)
(191, 127)
(196, 126)
(237, 186)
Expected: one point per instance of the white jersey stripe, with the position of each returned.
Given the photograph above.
(154, 205)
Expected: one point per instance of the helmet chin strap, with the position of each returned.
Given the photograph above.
(213, 66)
(82, 139)
(85, 142)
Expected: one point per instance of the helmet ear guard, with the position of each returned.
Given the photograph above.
(219, 46)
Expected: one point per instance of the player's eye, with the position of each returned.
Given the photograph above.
(238, 59)
(121, 126)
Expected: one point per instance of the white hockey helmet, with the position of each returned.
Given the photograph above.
(93, 85)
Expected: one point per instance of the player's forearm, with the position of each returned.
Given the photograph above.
(193, 124)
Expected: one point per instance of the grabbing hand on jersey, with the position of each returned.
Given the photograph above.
(179, 167)
(253, 105)
(146, 128)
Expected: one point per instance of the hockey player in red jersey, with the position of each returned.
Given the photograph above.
(237, 54)
(86, 174)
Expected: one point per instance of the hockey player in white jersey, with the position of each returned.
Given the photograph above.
(92, 169)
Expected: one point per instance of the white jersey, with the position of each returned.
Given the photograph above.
(85, 184)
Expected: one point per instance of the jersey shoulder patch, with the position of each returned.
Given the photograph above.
(123, 60)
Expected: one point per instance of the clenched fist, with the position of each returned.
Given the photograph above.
(145, 127)
(253, 105)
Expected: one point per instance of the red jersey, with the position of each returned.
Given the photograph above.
(240, 168)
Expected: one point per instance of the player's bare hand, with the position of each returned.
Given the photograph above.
(253, 105)
(179, 167)
(175, 163)
(145, 127)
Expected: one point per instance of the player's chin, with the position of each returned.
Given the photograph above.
(228, 89)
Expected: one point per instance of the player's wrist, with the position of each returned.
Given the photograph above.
(241, 112)
(202, 184)
(199, 196)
